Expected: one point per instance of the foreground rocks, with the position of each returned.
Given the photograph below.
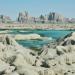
(17, 60)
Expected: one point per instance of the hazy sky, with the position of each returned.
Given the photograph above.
(37, 7)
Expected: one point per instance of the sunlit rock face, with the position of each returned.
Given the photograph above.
(27, 37)
(17, 60)
(68, 39)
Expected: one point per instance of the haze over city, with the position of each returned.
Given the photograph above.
(37, 7)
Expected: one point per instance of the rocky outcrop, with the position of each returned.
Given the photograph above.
(27, 37)
(17, 60)
(68, 39)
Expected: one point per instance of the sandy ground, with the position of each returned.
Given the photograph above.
(38, 26)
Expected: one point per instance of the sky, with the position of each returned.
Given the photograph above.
(37, 7)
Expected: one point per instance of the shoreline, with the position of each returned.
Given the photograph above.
(38, 26)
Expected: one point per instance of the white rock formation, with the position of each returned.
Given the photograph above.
(17, 60)
(27, 36)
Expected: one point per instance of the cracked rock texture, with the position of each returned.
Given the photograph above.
(17, 60)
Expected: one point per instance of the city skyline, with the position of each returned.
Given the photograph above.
(35, 8)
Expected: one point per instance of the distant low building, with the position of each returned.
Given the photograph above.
(66, 20)
(69, 20)
(72, 20)
(55, 17)
(5, 19)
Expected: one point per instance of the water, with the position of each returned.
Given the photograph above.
(55, 34)
(45, 33)
(33, 43)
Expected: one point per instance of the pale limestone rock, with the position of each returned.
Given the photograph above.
(8, 40)
(9, 55)
(10, 69)
(48, 54)
(13, 55)
(27, 37)
(20, 61)
(45, 71)
(27, 71)
(12, 73)
(3, 66)
(63, 49)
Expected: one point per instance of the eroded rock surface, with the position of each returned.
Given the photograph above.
(17, 60)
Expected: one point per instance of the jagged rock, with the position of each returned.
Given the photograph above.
(10, 69)
(20, 61)
(12, 73)
(52, 63)
(46, 72)
(27, 71)
(61, 49)
(68, 39)
(8, 54)
(3, 66)
(25, 53)
(17, 60)
(65, 49)
(8, 40)
(48, 53)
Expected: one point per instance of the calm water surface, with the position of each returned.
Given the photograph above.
(55, 34)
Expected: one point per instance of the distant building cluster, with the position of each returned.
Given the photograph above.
(72, 20)
(24, 17)
(54, 17)
(5, 19)
(51, 17)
